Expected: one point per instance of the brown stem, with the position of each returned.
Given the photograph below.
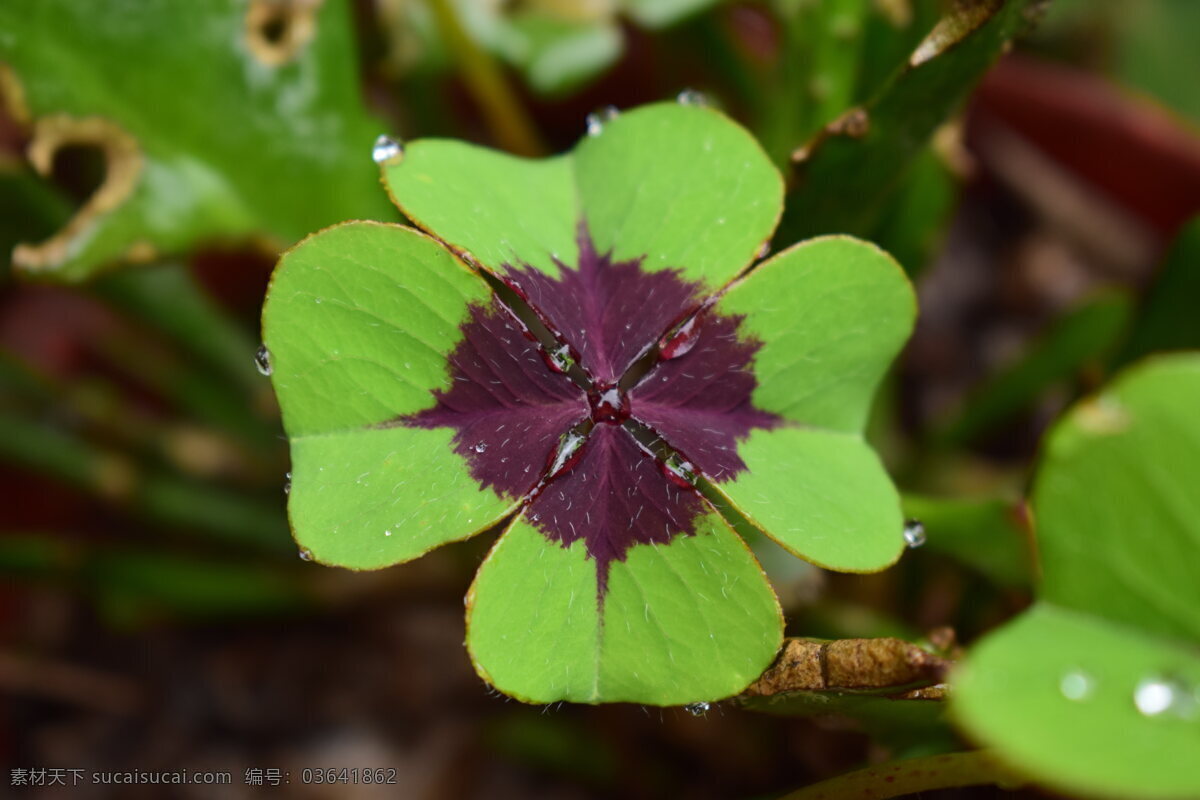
(911, 776)
(485, 79)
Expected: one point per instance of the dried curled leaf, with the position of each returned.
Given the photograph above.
(848, 664)
(123, 164)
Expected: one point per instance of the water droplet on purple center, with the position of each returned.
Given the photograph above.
(609, 404)
(558, 359)
(679, 472)
(568, 452)
(681, 340)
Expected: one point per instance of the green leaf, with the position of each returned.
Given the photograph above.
(359, 324)
(1015, 694)
(850, 169)
(692, 619)
(683, 186)
(1148, 44)
(265, 139)
(1168, 320)
(1117, 506)
(912, 227)
(1095, 689)
(411, 424)
(831, 313)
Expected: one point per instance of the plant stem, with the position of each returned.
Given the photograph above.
(946, 771)
(485, 79)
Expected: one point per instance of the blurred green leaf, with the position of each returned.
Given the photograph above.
(167, 297)
(558, 46)
(912, 226)
(661, 13)
(848, 171)
(134, 586)
(1088, 333)
(1157, 48)
(217, 120)
(557, 55)
(1148, 45)
(817, 73)
(1096, 690)
(30, 208)
(148, 490)
(1168, 319)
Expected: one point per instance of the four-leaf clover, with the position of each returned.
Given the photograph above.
(581, 347)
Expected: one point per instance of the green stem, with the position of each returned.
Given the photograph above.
(912, 776)
(485, 79)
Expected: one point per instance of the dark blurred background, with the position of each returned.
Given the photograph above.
(154, 614)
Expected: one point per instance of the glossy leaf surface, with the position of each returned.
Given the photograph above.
(1095, 690)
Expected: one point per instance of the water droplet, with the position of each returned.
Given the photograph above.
(691, 97)
(480, 447)
(305, 554)
(596, 120)
(1077, 685)
(387, 533)
(914, 532)
(568, 453)
(609, 404)
(386, 149)
(679, 472)
(697, 709)
(558, 359)
(287, 483)
(1158, 695)
(680, 341)
(262, 360)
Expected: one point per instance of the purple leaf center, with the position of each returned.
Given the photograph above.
(528, 431)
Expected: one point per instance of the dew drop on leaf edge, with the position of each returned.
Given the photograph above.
(691, 97)
(597, 119)
(305, 554)
(262, 360)
(287, 483)
(697, 709)
(914, 533)
(386, 149)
